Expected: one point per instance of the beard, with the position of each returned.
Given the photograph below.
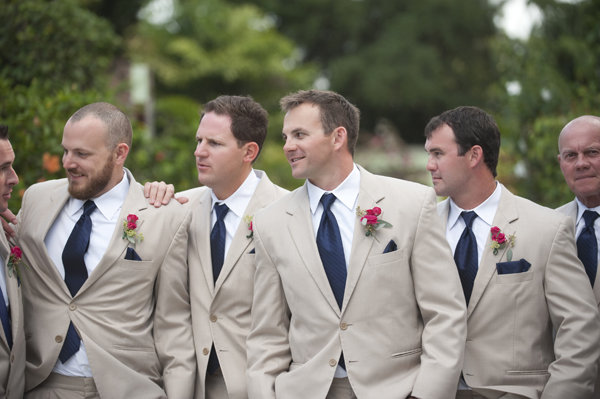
(96, 184)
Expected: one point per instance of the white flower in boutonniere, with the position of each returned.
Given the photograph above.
(248, 221)
(15, 262)
(370, 219)
(129, 230)
(500, 241)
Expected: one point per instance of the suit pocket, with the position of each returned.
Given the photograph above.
(415, 351)
(514, 278)
(135, 265)
(388, 257)
(528, 372)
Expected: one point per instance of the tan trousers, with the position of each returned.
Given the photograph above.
(59, 386)
(340, 389)
(215, 386)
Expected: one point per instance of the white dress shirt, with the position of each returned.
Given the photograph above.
(3, 273)
(104, 221)
(481, 229)
(344, 210)
(580, 223)
(237, 203)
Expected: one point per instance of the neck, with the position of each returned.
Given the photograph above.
(335, 178)
(475, 194)
(222, 193)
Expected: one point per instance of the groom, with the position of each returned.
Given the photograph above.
(341, 308)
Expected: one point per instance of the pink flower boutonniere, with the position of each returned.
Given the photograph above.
(129, 230)
(248, 220)
(370, 219)
(501, 241)
(15, 262)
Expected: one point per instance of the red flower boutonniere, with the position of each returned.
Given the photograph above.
(501, 241)
(15, 262)
(129, 230)
(370, 219)
(248, 221)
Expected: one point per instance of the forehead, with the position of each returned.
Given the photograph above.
(306, 117)
(214, 125)
(441, 137)
(579, 135)
(88, 131)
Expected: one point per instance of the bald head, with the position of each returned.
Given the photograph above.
(585, 123)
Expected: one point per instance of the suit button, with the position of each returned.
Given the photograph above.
(333, 362)
(344, 326)
(213, 318)
(58, 339)
(72, 306)
(205, 351)
(12, 358)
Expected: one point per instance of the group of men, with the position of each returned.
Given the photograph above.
(351, 286)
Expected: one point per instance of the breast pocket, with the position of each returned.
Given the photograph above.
(387, 258)
(514, 278)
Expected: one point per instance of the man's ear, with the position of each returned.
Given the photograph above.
(340, 137)
(476, 155)
(121, 151)
(251, 151)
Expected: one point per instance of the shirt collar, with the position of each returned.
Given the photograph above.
(346, 192)
(486, 210)
(582, 208)
(108, 203)
(238, 201)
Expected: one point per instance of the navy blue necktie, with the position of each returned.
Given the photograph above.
(5, 317)
(217, 240)
(329, 242)
(587, 245)
(76, 271)
(465, 255)
(217, 253)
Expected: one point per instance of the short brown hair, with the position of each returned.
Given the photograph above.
(3, 132)
(117, 124)
(334, 108)
(249, 120)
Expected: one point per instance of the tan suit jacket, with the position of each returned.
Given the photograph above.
(570, 209)
(132, 316)
(511, 317)
(221, 311)
(12, 362)
(402, 323)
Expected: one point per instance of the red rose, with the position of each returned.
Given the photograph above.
(131, 218)
(250, 227)
(131, 225)
(16, 252)
(371, 219)
(376, 211)
(500, 238)
(495, 230)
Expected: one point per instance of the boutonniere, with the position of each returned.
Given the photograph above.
(370, 219)
(15, 262)
(501, 241)
(129, 230)
(248, 221)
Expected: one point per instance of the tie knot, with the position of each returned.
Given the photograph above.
(590, 217)
(468, 217)
(88, 207)
(221, 210)
(327, 200)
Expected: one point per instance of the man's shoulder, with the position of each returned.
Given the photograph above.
(568, 208)
(535, 213)
(47, 185)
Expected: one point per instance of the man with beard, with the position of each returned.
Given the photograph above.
(12, 338)
(105, 292)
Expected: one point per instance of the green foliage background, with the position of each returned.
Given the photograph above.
(400, 62)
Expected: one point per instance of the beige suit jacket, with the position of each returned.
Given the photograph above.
(12, 362)
(570, 209)
(511, 317)
(132, 316)
(221, 311)
(402, 323)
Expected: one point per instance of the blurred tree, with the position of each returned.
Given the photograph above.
(399, 61)
(204, 50)
(54, 58)
(554, 77)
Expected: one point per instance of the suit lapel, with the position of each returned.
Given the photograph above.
(241, 243)
(506, 214)
(361, 244)
(302, 233)
(201, 233)
(4, 251)
(136, 203)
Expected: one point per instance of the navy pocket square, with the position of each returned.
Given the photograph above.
(517, 266)
(131, 254)
(253, 251)
(390, 247)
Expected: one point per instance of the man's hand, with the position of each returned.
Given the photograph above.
(8, 217)
(160, 193)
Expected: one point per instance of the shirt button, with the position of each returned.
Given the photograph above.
(213, 318)
(58, 339)
(333, 362)
(205, 351)
(344, 326)
(72, 306)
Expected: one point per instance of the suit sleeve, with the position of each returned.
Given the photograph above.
(172, 318)
(267, 344)
(442, 305)
(575, 319)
